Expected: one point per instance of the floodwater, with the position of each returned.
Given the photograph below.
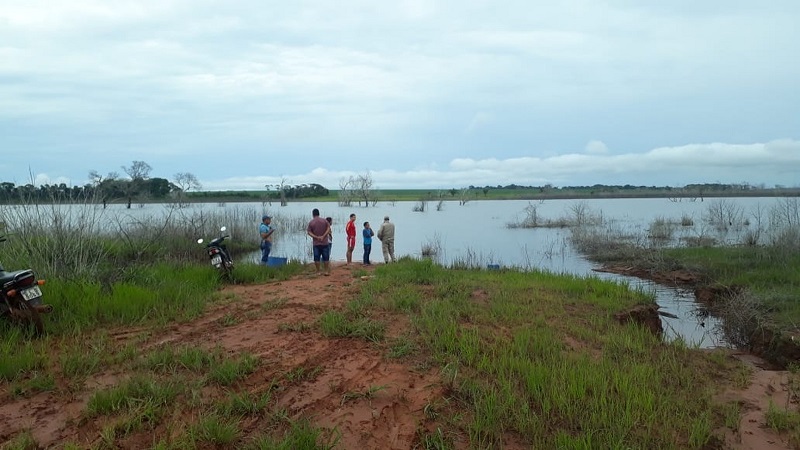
(478, 234)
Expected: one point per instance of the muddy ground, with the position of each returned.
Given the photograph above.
(275, 323)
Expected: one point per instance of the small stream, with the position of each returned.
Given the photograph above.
(693, 324)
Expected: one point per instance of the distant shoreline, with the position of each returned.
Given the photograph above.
(494, 194)
(433, 195)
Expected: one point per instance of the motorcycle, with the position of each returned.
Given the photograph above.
(220, 258)
(21, 297)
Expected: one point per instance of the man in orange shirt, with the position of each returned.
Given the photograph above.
(350, 230)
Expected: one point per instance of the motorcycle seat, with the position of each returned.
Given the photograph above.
(5, 277)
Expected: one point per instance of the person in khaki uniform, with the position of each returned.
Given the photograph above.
(386, 236)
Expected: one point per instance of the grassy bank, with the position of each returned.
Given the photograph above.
(769, 274)
(537, 359)
(526, 359)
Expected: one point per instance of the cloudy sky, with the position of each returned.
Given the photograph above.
(420, 93)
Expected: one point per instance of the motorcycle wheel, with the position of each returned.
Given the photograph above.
(31, 316)
(227, 271)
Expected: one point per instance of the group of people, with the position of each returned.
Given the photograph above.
(321, 233)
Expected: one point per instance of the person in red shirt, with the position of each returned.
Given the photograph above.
(350, 230)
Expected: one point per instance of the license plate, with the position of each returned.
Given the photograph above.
(31, 293)
(216, 260)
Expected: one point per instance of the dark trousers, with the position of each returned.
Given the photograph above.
(367, 250)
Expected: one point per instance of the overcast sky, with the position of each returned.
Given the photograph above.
(420, 93)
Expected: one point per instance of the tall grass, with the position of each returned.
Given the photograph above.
(161, 292)
(18, 355)
(87, 241)
(661, 229)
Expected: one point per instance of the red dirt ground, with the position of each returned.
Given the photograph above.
(256, 323)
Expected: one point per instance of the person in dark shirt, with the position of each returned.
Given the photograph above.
(318, 229)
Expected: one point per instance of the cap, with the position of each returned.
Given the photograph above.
(385, 217)
(265, 217)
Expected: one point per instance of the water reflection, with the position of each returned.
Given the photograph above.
(693, 324)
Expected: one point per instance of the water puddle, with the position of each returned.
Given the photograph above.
(692, 322)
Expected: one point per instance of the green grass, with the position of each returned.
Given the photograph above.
(214, 430)
(230, 370)
(161, 294)
(401, 347)
(80, 358)
(243, 404)
(301, 435)
(38, 381)
(769, 273)
(436, 441)
(20, 356)
(22, 441)
(369, 393)
(784, 421)
(338, 324)
(300, 374)
(185, 358)
(132, 394)
(508, 361)
(254, 273)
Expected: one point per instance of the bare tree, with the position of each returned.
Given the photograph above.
(95, 177)
(138, 170)
(267, 199)
(282, 187)
(345, 191)
(463, 196)
(100, 183)
(186, 181)
(358, 187)
(364, 184)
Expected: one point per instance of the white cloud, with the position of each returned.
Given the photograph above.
(43, 178)
(716, 162)
(596, 148)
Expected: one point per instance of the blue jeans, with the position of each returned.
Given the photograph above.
(367, 251)
(266, 247)
(322, 252)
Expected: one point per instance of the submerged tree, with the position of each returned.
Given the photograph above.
(185, 182)
(358, 187)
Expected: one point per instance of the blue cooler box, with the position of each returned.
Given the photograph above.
(275, 261)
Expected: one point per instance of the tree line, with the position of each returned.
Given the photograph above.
(137, 186)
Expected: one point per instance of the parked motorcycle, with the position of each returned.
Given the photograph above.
(21, 297)
(220, 258)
